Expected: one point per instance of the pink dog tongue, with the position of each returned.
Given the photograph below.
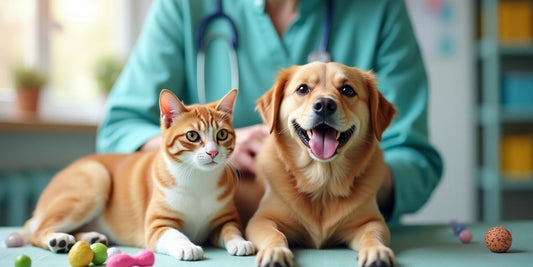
(323, 143)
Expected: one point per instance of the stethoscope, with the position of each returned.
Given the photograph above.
(321, 54)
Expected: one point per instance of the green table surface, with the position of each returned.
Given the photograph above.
(420, 245)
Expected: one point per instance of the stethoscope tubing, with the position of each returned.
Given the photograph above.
(200, 66)
(202, 42)
(218, 13)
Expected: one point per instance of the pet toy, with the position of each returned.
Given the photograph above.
(14, 240)
(112, 251)
(498, 239)
(23, 261)
(100, 253)
(465, 236)
(80, 254)
(143, 258)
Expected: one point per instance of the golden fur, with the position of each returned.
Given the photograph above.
(168, 200)
(319, 199)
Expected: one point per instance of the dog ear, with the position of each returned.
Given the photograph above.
(381, 110)
(268, 104)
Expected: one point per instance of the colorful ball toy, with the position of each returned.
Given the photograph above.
(498, 239)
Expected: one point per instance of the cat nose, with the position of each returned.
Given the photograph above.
(212, 154)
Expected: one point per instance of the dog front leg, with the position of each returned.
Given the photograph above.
(272, 245)
(371, 240)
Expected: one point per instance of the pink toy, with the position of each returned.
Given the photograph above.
(143, 258)
(14, 240)
(465, 236)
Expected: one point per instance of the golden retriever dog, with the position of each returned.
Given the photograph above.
(322, 165)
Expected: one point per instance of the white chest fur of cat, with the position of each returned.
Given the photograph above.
(170, 201)
(196, 197)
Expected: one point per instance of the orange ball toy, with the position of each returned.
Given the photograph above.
(498, 239)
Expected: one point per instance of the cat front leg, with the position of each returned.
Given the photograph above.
(162, 235)
(174, 243)
(230, 237)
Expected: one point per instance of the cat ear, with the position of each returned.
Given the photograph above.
(225, 104)
(170, 107)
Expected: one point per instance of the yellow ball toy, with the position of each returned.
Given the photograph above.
(80, 254)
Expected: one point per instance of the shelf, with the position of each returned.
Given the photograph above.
(487, 48)
(495, 119)
(516, 50)
(489, 115)
(502, 181)
(516, 115)
(509, 184)
(36, 124)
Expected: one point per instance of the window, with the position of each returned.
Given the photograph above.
(80, 33)
(67, 38)
(15, 18)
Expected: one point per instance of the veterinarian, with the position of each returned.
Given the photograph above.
(269, 35)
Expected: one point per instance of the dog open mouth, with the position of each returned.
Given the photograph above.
(323, 140)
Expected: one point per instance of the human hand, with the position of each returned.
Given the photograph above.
(152, 144)
(247, 144)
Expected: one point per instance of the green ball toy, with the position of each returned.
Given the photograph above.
(23, 261)
(100, 253)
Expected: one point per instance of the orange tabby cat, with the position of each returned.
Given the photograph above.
(168, 200)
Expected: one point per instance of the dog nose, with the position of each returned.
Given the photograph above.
(324, 106)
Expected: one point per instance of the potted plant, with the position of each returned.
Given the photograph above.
(28, 82)
(107, 71)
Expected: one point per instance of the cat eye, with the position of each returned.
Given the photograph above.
(192, 136)
(222, 135)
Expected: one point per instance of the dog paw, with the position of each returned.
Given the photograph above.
(240, 247)
(93, 237)
(277, 256)
(60, 242)
(188, 252)
(376, 256)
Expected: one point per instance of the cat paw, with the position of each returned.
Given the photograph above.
(376, 256)
(60, 242)
(93, 237)
(240, 247)
(189, 252)
(277, 256)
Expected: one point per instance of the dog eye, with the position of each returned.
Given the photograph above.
(347, 90)
(303, 89)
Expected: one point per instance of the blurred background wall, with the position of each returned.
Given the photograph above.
(445, 32)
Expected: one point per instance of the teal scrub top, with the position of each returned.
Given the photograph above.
(373, 35)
